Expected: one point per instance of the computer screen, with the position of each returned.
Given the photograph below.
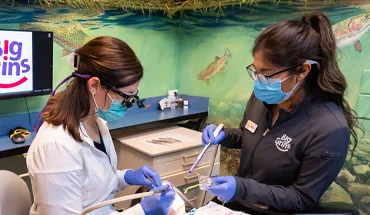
(26, 63)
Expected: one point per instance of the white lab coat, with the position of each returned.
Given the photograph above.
(68, 176)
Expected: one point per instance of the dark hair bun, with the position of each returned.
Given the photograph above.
(316, 20)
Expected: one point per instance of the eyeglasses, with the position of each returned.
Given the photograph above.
(129, 99)
(265, 78)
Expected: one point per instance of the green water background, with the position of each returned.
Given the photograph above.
(174, 51)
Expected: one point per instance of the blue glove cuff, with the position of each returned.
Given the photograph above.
(232, 184)
(144, 209)
(126, 177)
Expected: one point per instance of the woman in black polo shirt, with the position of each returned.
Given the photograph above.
(296, 128)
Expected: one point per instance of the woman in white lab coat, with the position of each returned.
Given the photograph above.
(72, 161)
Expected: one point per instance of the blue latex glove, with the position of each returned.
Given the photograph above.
(208, 135)
(159, 204)
(140, 177)
(223, 187)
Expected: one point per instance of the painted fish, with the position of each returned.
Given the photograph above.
(83, 19)
(360, 6)
(70, 36)
(218, 65)
(66, 17)
(358, 46)
(350, 30)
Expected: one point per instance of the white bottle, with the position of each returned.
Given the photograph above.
(171, 99)
(186, 104)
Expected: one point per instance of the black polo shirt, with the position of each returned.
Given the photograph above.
(290, 165)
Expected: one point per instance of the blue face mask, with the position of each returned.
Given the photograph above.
(271, 94)
(115, 112)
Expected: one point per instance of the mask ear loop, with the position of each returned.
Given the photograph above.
(294, 85)
(310, 62)
(292, 75)
(112, 100)
(96, 104)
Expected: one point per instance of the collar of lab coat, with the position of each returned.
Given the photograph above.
(107, 139)
(102, 125)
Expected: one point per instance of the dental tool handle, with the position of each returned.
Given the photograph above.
(215, 134)
(211, 164)
(120, 199)
(218, 129)
(199, 157)
(194, 165)
(204, 150)
(209, 174)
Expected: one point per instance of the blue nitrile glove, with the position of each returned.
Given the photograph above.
(140, 177)
(159, 204)
(223, 187)
(208, 135)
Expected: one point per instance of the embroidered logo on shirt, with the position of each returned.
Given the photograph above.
(251, 126)
(283, 143)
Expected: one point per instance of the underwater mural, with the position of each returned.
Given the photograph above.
(206, 55)
(72, 28)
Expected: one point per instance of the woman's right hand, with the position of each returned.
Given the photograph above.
(159, 204)
(208, 135)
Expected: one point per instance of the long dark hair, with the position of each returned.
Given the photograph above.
(109, 59)
(291, 42)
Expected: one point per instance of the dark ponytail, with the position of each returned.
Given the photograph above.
(331, 80)
(68, 106)
(292, 42)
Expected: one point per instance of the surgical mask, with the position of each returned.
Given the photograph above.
(272, 93)
(115, 112)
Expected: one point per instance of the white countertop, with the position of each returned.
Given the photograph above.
(142, 141)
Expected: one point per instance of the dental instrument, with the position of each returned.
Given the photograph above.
(184, 198)
(138, 196)
(211, 163)
(190, 188)
(215, 134)
(124, 198)
(150, 179)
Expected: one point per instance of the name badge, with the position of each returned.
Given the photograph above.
(251, 126)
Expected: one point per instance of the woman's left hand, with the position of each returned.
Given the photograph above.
(223, 187)
(143, 176)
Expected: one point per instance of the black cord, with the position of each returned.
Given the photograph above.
(28, 110)
(363, 118)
